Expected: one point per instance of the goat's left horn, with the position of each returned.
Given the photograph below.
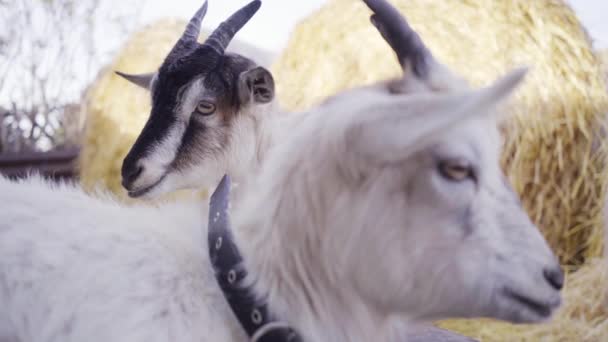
(191, 33)
(142, 80)
(406, 43)
(221, 37)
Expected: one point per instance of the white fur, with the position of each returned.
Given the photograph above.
(107, 272)
(340, 235)
(374, 237)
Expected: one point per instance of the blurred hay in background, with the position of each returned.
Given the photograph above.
(603, 55)
(117, 110)
(554, 149)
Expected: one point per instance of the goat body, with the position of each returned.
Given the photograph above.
(66, 277)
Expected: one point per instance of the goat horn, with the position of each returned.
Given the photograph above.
(221, 37)
(142, 80)
(406, 43)
(191, 33)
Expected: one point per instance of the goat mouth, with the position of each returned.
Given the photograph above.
(142, 191)
(542, 309)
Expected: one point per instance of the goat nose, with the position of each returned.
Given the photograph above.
(130, 174)
(555, 277)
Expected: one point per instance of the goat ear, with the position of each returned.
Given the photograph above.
(142, 80)
(402, 125)
(256, 85)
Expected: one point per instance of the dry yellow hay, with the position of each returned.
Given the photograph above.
(117, 110)
(552, 154)
(604, 58)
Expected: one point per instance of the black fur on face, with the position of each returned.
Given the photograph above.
(201, 140)
(220, 75)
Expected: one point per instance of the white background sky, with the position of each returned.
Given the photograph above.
(276, 18)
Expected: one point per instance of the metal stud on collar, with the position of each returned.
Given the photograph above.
(256, 316)
(231, 276)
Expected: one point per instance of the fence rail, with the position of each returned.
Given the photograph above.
(56, 164)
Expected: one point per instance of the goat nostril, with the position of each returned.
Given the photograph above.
(131, 174)
(555, 277)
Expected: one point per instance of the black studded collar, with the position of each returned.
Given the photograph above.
(254, 316)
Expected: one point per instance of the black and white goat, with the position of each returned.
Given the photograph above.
(377, 205)
(209, 111)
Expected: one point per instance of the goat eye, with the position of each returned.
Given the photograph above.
(205, 108)
(455, 171)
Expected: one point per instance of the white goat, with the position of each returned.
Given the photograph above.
(412, 180)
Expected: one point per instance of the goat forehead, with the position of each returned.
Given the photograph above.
(478, 139)
(193, 139)
(219, 76)
(173, 74)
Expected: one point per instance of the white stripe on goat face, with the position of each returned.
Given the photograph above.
(163, 153)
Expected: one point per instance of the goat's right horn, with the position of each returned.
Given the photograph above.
(221, 37)
(406, 43)
(188, 39)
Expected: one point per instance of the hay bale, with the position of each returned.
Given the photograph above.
(604, 58)
(603, 55)
(117, 110)
(552, 154)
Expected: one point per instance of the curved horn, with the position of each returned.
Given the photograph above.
(221, 37)
(191, 33)
(142, 80)
(401, 37)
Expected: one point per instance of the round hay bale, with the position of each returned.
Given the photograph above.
(604, 57)
(552, 154)
(117, 110)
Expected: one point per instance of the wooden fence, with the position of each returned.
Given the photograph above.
(56, 164)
